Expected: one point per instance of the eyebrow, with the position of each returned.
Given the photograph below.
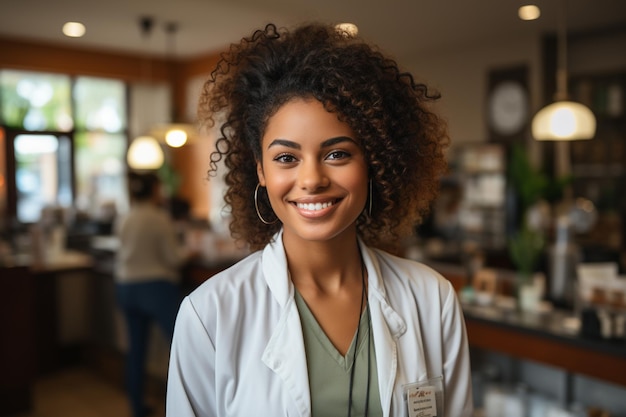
(325, 144)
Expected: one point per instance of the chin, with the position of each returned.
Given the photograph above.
(319, 234)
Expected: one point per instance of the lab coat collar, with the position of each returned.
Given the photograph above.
(285, 353)
(276, 275)
(275, 270)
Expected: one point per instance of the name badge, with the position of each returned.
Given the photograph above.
(425, 398)
(422, 402)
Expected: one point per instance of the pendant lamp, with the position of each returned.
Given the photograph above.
(145, 152)
(564, 119)
(175, 135)
(178, 133)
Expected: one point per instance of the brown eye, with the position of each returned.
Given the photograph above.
(336, 155)
(285, 158)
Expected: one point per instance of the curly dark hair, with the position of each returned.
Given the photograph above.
(403, 140)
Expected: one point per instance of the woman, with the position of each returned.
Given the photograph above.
(332, 152)
(147, 277)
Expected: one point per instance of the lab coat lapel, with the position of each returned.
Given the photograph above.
(284, 353)
(387, 327)
(390, 331)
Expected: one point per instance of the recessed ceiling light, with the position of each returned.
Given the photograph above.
(529, 12)
(349, 29)
(74, 29)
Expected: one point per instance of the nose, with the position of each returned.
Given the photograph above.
(312, 176)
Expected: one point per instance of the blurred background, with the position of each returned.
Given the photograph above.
(530, 232)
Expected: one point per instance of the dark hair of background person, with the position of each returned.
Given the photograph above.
(403, 140)
(141, 185)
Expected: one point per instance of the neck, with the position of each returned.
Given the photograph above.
(328, 266)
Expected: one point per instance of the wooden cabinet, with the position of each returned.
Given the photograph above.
(18, 358)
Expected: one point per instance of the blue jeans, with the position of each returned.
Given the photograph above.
(142, 305)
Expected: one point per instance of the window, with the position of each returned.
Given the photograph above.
(100, 144)
(100, 104)
(100, 171)
(67, 139)
(35, 101)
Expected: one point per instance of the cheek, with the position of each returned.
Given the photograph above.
(277, 181)
(358, 181)
(363, 187)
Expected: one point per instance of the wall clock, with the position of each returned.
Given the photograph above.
(508, 105)
(508, 108)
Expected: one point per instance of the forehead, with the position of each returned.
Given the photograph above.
(304, 119)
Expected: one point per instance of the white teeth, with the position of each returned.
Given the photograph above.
(314, 206)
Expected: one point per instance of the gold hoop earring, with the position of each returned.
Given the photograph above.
(371, 197)
(256, 206)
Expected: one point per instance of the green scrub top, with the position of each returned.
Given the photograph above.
(329, 371)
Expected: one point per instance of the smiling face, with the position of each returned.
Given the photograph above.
(315, 172)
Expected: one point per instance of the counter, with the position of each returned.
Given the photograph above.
(38, 311)
(545, 338)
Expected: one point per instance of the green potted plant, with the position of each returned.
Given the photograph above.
(526, 244)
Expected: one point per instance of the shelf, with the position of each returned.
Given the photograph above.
(543, 339)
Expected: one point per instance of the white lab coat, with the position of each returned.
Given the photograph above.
(238, 348)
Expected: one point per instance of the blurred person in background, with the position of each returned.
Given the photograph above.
(147, 277)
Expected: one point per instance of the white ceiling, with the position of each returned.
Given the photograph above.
(403, 27)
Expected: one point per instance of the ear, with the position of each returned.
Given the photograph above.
(259, 172)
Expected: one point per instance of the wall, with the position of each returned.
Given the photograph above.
(150, 105)
(192, 160)
(23, 55)
(460, 75)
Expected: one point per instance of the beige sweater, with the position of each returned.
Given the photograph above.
(148, 248)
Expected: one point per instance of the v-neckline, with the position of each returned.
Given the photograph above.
(344, 361)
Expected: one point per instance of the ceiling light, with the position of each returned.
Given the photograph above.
(175, 134)
(145, 153)
(350, 29)
(74, 29)
(563, 119)
(529, 12)
(176, 138)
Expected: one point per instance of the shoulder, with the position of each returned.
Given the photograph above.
(407, 274)
(231, 302)
(407, 268)
(225, 292)
(159, 212)
(232, 277)
(143, 212)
